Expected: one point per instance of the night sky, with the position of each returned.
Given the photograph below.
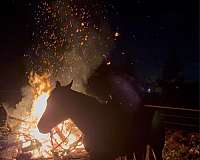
(148, 32)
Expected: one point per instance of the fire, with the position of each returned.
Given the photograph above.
(65, 139)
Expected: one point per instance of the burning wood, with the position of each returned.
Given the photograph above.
(64, 141)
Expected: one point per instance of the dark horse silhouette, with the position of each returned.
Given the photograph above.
(108, 131)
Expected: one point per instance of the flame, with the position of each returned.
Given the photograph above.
(64, 137)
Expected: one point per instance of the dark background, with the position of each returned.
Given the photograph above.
(159, 39)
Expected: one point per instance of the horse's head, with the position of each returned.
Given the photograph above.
(55, 111)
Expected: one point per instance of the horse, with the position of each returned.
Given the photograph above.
(108, 131)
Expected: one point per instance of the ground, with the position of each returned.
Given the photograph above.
(180, 145)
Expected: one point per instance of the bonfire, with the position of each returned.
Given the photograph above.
(64, 140)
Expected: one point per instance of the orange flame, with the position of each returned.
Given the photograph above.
(66, 138)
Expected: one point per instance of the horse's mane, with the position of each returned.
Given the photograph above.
(85, 98)
(76, 97)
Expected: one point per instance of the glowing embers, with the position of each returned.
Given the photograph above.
(64, 140)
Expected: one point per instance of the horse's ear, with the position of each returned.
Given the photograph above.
(58, 85)
(69, 85)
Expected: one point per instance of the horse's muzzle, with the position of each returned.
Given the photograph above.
(43, 128)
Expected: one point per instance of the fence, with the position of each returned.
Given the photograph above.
(183, 118)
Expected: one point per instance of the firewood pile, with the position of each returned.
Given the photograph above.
(12, 148)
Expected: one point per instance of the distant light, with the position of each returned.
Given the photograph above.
(149, 90)
(116, 34)
(108, 63)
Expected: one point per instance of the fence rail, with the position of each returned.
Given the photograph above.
(184, 118)
(173, 108)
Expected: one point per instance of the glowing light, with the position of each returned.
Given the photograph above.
(116, 34)
(108, 63)
(43, 144)
(39, 105)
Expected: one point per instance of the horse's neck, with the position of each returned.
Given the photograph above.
(83, 110)
(82, 103)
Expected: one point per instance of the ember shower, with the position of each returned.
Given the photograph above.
(71, 39)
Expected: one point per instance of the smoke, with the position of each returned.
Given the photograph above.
(22, 109)
(79, 63)
(70, 41)
(16, 115)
